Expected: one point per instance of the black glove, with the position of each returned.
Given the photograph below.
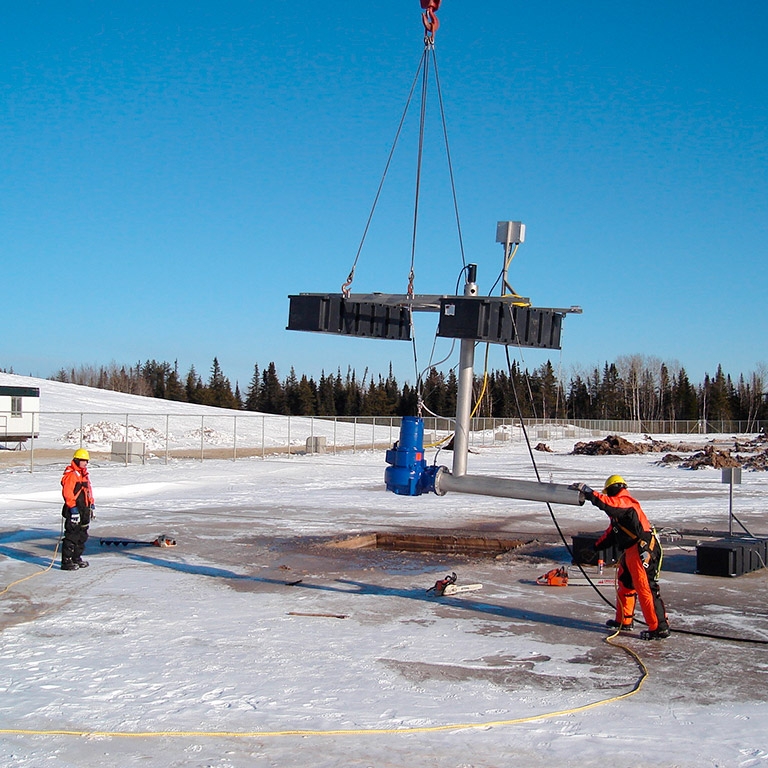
(582, 487)
(74, 516)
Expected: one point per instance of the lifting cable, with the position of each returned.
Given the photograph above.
(431, 24)
(422, 72)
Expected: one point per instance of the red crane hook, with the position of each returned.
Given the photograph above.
(429, 17)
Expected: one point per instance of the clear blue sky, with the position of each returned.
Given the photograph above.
(171, 172)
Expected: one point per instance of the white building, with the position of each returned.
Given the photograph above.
(19, 413)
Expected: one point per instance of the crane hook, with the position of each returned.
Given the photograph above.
(429, 18)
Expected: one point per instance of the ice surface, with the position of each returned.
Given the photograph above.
(208, 650)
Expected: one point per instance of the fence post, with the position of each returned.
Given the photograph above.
(289, 437)
(32, 445)
(167, 434)
(234, 438)
(202, 438)
(125, 454)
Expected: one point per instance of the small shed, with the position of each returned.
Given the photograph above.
(19, 414)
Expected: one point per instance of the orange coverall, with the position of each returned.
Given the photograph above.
(640, 561)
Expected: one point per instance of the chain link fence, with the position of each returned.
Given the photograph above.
(151, 437)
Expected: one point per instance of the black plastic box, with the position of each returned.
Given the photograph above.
(584, 542)
(720, 558)
(331, 313)
(499, 321)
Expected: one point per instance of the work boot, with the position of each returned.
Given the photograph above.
(655, 634)
(68, 565)
(613, 624)
(80, 563)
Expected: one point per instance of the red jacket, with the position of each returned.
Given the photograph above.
(76, 487)
(629, 525)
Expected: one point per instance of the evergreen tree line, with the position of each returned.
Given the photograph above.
(631, 388)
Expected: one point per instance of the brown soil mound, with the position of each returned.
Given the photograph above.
(711, 457)
(613, 445)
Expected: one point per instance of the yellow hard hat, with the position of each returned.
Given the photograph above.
(82, 454)
(613, 480)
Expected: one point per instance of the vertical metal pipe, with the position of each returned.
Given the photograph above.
(464, 394)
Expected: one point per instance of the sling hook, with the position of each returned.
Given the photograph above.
(429, 18)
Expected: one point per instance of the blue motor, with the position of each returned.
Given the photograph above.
(408, 474)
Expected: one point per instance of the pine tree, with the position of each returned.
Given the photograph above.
(272, 396)
(219, 388)
(194, 389)
(684, 400)
(326, 402)
(173, 386)
(254, 390)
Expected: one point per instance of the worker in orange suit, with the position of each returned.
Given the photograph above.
(640, 561)
(77, 511)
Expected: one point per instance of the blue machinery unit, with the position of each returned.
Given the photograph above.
(408, 473)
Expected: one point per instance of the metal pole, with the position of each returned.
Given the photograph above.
(167, 430)
(202, 438)
(730, 505)
(234, 438)
(464, 393)
(125, 463)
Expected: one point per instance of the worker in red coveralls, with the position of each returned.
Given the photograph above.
(640, 561)
(77, 511)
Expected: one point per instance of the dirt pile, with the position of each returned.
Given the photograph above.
(750, 454)
(710, 457)
(613, 445)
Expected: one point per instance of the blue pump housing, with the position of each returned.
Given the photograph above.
(407, 473)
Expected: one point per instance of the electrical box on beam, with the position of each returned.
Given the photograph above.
(499, 321)
(332, 313)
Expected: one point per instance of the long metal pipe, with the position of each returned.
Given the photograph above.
(511, 489)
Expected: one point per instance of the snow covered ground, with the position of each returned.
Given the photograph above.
(211, 654)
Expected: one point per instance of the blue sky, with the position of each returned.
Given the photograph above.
(172, 172)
